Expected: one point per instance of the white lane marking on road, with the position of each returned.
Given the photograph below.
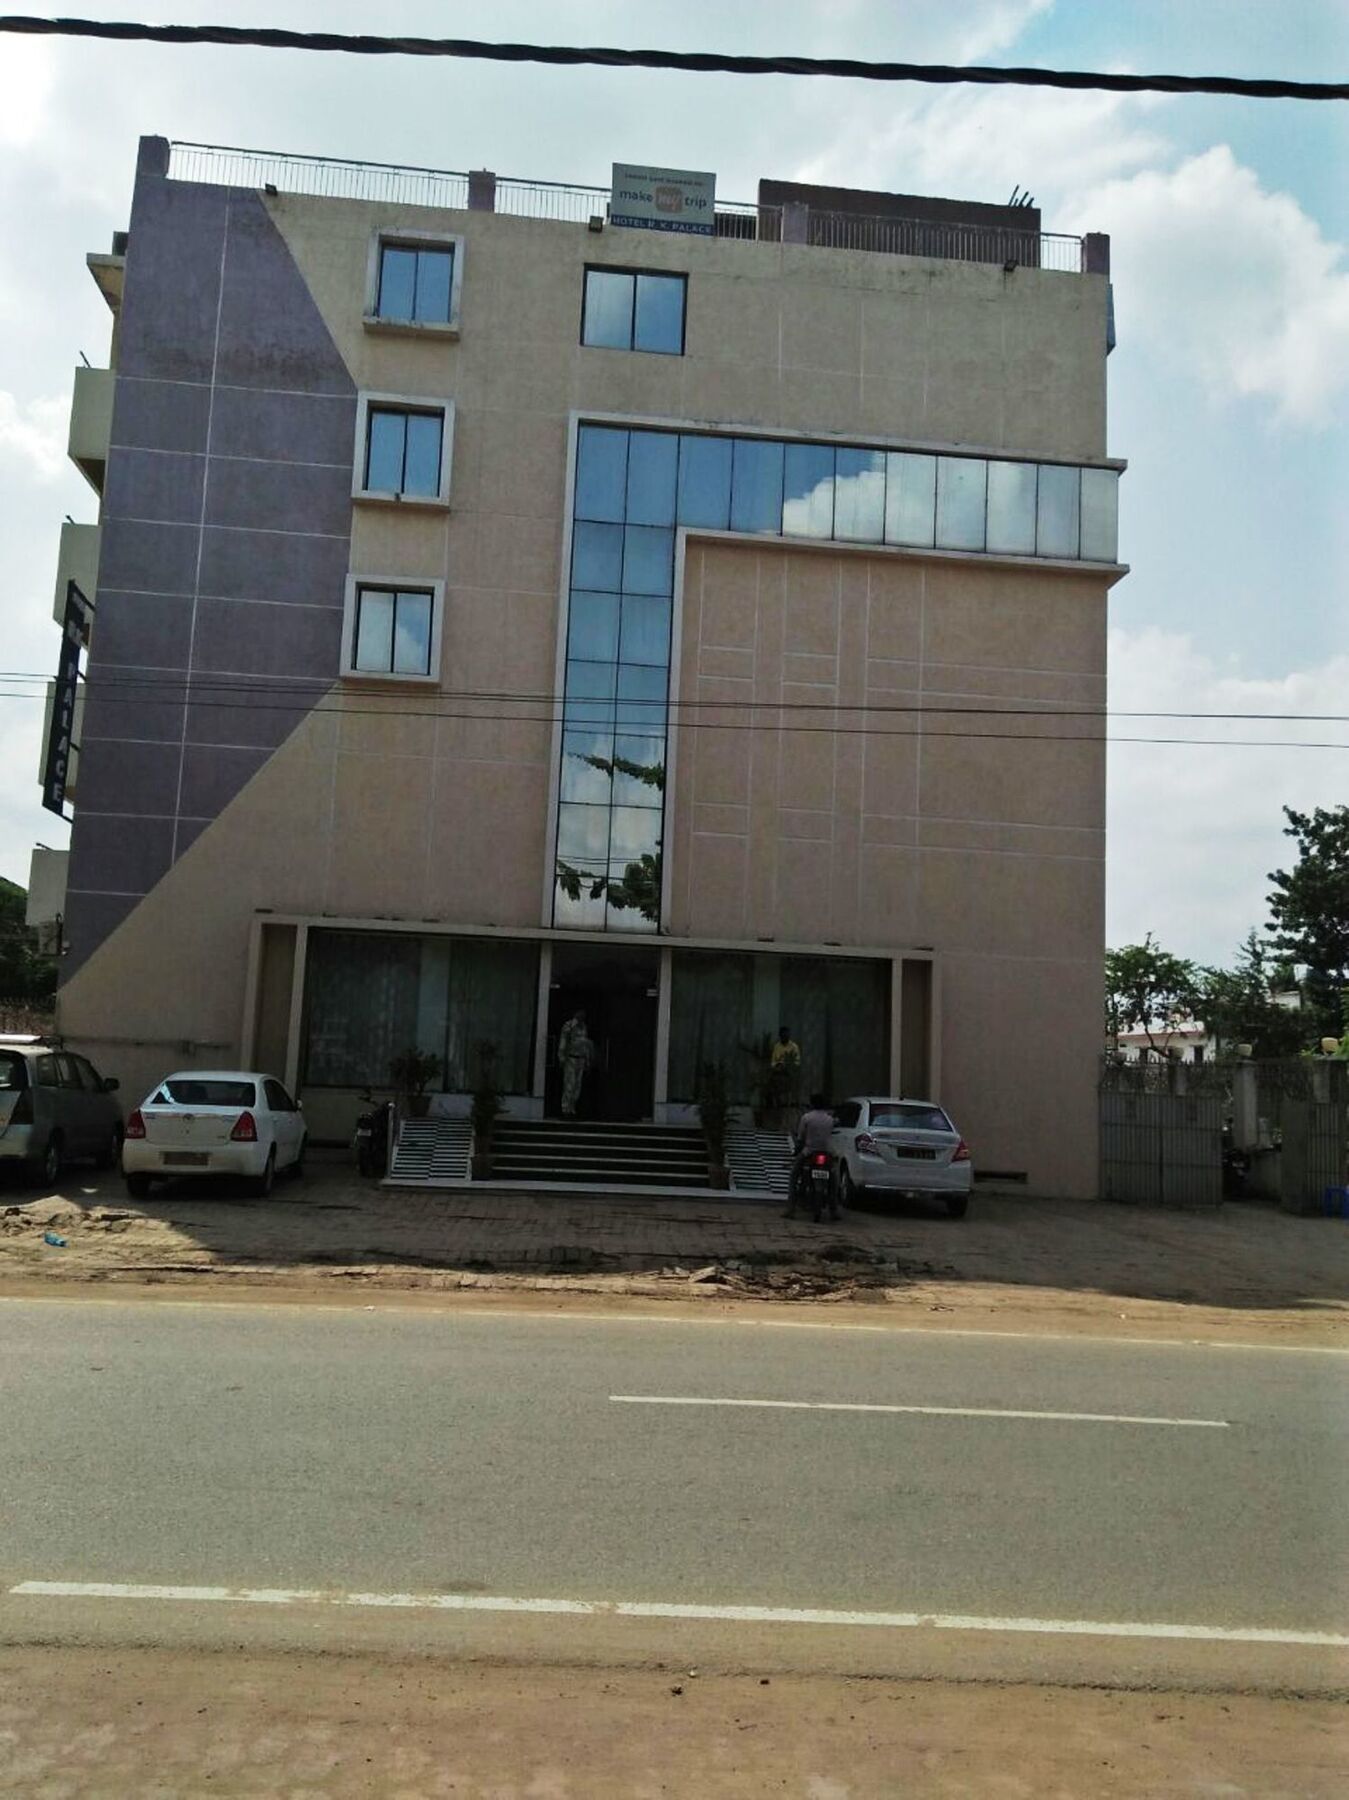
(660, 1609)
(952, 1412)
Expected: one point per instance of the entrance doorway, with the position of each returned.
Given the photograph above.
(616, 988)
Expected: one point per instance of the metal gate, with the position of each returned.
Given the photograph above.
(1159, 1148)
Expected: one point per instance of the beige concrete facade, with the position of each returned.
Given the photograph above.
(906, 819)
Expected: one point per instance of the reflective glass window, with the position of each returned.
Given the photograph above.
(1056, 516)
(756, 485)
(634, 833)
(910, 498)
(639, 771)
(402, 453)
(590, 695)
(587, 760)
(1011, 508)
(385, 437)
(592, 626)
(372, 641)
(646, 630)
(583, 834)
(415, 283)
(705, 482)
(392, 634)
(421, 466)
(597, 556)
(859, 496)
(575, 906)
(397, 282)
(412, 634)
(1100, 515)
(642, 692)
(648, 560)
(601, 473)
(606, 321)
(659, 321)
(960, 502)
(652, 463)
(808, 491)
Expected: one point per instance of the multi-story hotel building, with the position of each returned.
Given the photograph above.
(500, 610)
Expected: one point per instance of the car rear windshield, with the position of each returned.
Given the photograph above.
(208, 1093)
(13, 1071)
(911, 1118)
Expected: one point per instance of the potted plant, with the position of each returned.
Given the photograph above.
(713, 1116)
(486, 1109)
(412, 1073)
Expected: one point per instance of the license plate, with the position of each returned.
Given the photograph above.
(187, 1159)
(912, 1151)
(819, 1175)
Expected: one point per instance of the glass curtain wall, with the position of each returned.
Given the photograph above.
(726, 1008)
(632, 489)
(370, 996)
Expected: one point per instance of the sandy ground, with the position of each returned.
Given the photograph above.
(92, 1724)
(1244, 1271)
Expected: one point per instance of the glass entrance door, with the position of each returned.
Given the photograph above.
(614, 990)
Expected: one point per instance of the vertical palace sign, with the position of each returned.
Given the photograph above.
(61, 731)
(663, 199)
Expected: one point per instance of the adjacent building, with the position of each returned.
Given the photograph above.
(499, 610)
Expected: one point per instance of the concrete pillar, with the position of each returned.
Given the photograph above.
(152, 156)
(796, 222)
(1096, 253)
(1245, 1107)
(482, 190)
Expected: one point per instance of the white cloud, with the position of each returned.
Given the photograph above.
(1193, 833)
(33, 434)
(978, 144)
(29, 80)
(1230, 281)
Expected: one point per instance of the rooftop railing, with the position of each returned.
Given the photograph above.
(332, 177)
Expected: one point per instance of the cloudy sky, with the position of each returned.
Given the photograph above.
(1229, 389)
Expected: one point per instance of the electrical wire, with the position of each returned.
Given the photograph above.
(695, 62)
(198, 688)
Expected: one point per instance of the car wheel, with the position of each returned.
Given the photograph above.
(111, 1153)
(262, 1186)
(46, 1169)
(957, 1205)
(138, 1186)
(849, 1191)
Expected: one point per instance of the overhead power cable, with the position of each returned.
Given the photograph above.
(694, 62)
(654, 727)
(147, 685)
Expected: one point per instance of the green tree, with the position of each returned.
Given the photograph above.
(1149, 990)
(1309, 912)
(24, 975)
(1238, 1005)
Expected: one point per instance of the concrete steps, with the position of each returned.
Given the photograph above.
(597, 1153)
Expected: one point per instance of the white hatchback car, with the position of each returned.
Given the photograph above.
(901, 1147)
(229, 1122)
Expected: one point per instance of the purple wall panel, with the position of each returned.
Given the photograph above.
(154, 484)
(223, 355)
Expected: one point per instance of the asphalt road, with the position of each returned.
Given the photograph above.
(434, 1465)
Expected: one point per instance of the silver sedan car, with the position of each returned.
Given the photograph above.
(901, 1147)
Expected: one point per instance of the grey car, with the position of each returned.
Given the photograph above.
(54, 1107)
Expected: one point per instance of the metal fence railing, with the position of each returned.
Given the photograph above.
(336, 177)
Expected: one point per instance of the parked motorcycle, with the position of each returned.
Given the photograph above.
(374, 1129)
(817, 1184)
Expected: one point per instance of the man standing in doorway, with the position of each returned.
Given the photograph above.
(784, 1073)
(575, 1054)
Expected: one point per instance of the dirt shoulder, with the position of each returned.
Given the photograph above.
(93, 1723)
(1243, 1274)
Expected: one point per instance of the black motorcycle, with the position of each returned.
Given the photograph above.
(817, 1184)
(371, 1140)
